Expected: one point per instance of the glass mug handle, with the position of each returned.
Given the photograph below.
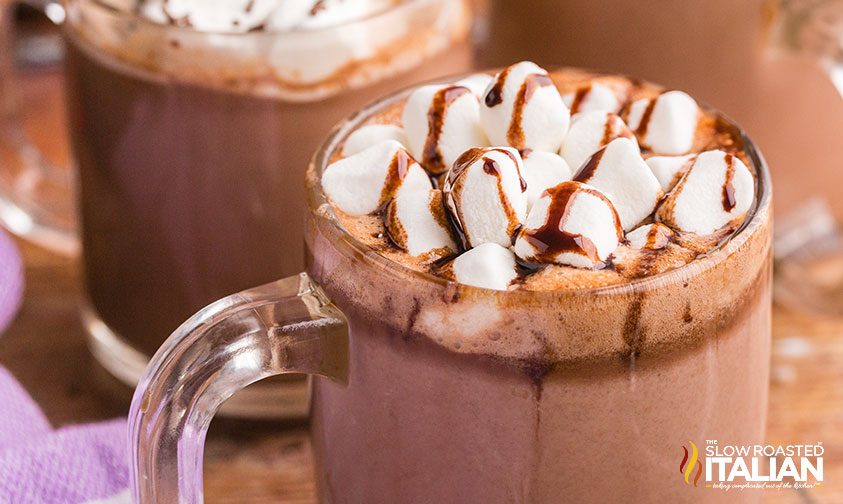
(35, 195)
(288, 326)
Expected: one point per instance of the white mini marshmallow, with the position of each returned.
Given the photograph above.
(477, 83)
(231, 16)
(668, 169)
(457, 129)
(417, 222)
(522, 108)
(589, 132)
(592, 97)
(717, 189)
(573, 224)
(619, 171)
(367, 136)
(541, 171)
(485, 196)
(488, 265)
(363, 183)
(650, 236)
(665, 124)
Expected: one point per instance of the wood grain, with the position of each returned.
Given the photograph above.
(272, 462)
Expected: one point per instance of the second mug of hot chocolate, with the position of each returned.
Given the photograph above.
(522, 287)
(191, 128)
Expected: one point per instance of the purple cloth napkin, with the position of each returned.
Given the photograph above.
(71, 465)
(11, 280)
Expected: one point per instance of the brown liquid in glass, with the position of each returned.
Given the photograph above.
(187, 193)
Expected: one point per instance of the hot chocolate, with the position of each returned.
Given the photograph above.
(624, 308)
(590, 180)
(192, 126)
(476, 340)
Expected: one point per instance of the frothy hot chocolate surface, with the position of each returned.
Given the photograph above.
(538, 180)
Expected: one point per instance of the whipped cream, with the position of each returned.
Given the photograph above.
(502, 204)
(240, 16)
(296, 50)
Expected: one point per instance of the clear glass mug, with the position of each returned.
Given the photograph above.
(189, 150)
(429, 391)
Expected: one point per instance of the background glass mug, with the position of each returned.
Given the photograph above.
(190, 148)
(729, 53)
(716, 50)
(444, 393)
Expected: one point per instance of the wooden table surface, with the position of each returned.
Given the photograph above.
(272, 462)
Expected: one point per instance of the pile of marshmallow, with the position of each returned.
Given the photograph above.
(501, 148)
(241, 16)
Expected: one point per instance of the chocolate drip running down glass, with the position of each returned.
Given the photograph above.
(191, 129)
(464, 362)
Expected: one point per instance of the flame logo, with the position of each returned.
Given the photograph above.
(686, 467)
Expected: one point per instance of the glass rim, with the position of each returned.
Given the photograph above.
(140, 20)
(756, 217)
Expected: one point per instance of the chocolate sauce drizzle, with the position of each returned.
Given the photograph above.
(462, 163)
(395, 232)
(641, 130)
(533, 82)
(398, 168)
(317, 7)
(608, 129)
(472, 155)
(633, 331)
(431, 157)
(586, 171)
(551, 239)
(609, 134)
(490, 167)
(495, 95)
(579, 97)
(656, 237)
(728, 185)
